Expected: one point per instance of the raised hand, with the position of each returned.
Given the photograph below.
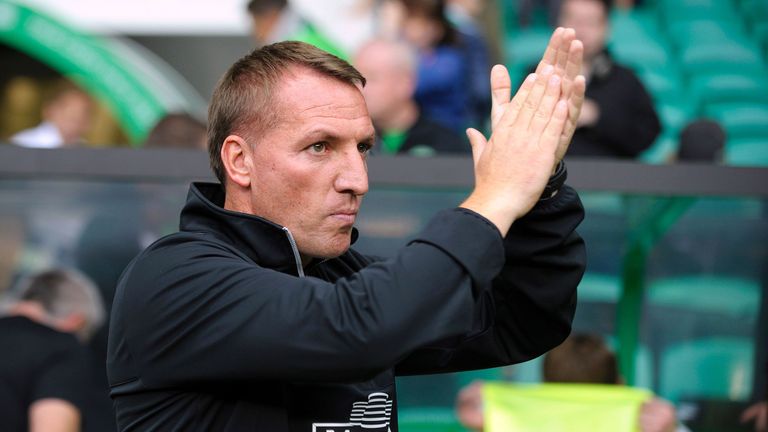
(530, 132)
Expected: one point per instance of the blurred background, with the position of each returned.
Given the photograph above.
(102, 126)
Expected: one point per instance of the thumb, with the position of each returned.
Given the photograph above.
(478, 142)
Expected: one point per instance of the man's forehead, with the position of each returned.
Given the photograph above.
(303, 93)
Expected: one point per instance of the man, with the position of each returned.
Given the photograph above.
(44, 371)
(66, 118)
(257, 315)
(390, 79)
(618, 119)
(585, 359)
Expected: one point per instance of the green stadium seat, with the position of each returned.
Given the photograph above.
(640, 53)
(598, 287)
(525, 48)
(735, 297)
(688, 32)
(747, 152)
(740, 120)
(733, 87)
(662, 150)
(674, 116)
(428, 419)
(672, 10)
(754, 10)
(665, 84)
(716, 368)
(722, 57)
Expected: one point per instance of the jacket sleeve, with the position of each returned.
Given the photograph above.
(530, 307)
(193, 313)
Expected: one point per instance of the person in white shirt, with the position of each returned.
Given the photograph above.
(66, 118)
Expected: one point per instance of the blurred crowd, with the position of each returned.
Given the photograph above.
(427, 65)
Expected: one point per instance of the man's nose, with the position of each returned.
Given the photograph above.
(352, 174)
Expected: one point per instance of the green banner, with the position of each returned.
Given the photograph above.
(85, 60)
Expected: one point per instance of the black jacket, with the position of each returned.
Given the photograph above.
(213, 329)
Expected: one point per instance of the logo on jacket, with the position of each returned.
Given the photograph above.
(368, 416)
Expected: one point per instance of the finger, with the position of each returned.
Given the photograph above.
(572, 66)
(551, 134)
(501, 88)
(516, 104)
(762, 421)
(575, 102)
(550, 53)
(567, 37)
(533, 100)
(547, 105)
(478, 142)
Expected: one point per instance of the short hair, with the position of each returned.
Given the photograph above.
(435, 11)
(177, 130)
(582, 358)
(60, 88)
(241, 102)
(62, 292)
(258, 7)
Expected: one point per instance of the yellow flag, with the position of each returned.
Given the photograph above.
(562, 407)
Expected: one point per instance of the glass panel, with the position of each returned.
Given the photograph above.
(705, 270)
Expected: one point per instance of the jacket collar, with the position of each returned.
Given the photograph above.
(266, 243)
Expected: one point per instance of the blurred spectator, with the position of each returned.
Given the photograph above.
(66, 116)
(442, 88)
(390, 71)
(618, 118)
(585, 359)
(275, 21)
(177, 130)
(702, 141)
(465, 15)
(45, 376)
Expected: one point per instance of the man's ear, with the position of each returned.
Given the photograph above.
(235, 156)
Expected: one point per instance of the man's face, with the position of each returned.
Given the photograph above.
(389, 86)
(309, 172)
(590, 21)
(71, 114)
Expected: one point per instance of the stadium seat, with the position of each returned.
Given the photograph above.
(733, 87)
(428, 419)
(662, 149)
(747, 152)
(674, 10)
(689, 32)
(665, 84)
(674, 116)
(722, 57)
(734, 297)
(716, 368)
(740, 120)
(525, 48)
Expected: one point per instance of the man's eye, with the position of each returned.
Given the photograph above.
(318, 147)
(363, 147)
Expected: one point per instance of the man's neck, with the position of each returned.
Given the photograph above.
(401, 120)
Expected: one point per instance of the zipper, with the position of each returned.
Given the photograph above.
(295, 250)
